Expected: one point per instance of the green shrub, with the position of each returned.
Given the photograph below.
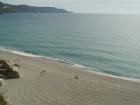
(2, 100)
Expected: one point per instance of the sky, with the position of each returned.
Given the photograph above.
(87, 6)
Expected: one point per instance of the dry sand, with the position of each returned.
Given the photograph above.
(58, 86)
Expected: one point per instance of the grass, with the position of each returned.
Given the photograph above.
(2, 100)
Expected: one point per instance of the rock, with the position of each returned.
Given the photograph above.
(17, 65)
(1, 82)
(6, 71)
(13, 74)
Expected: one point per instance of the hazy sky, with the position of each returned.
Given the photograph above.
(87, 6)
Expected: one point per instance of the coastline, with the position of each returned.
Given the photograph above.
(85, 68)
(59, 86)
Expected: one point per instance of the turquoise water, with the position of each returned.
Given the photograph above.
(110, 43)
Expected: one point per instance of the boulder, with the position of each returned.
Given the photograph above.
(13, 74)
(6, 71)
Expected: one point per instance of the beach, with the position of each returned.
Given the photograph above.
(58, 86)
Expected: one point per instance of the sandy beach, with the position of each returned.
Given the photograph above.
(58, 85)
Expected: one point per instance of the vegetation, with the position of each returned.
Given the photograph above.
(2, 100)
(9, 8)
(5, 8)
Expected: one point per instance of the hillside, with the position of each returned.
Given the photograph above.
(9, 8)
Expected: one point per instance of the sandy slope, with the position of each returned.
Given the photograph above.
(58, 86)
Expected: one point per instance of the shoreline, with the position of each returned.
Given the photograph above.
(59, 85)
(88, 69)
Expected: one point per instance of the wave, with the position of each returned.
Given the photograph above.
(23, 53)
(18, 52)
(15, 51)
(88, 69)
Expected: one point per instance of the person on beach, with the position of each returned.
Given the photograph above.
(14, 63)
(77, 77)
(43, 72)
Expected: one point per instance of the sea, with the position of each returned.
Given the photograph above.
(106, 42)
